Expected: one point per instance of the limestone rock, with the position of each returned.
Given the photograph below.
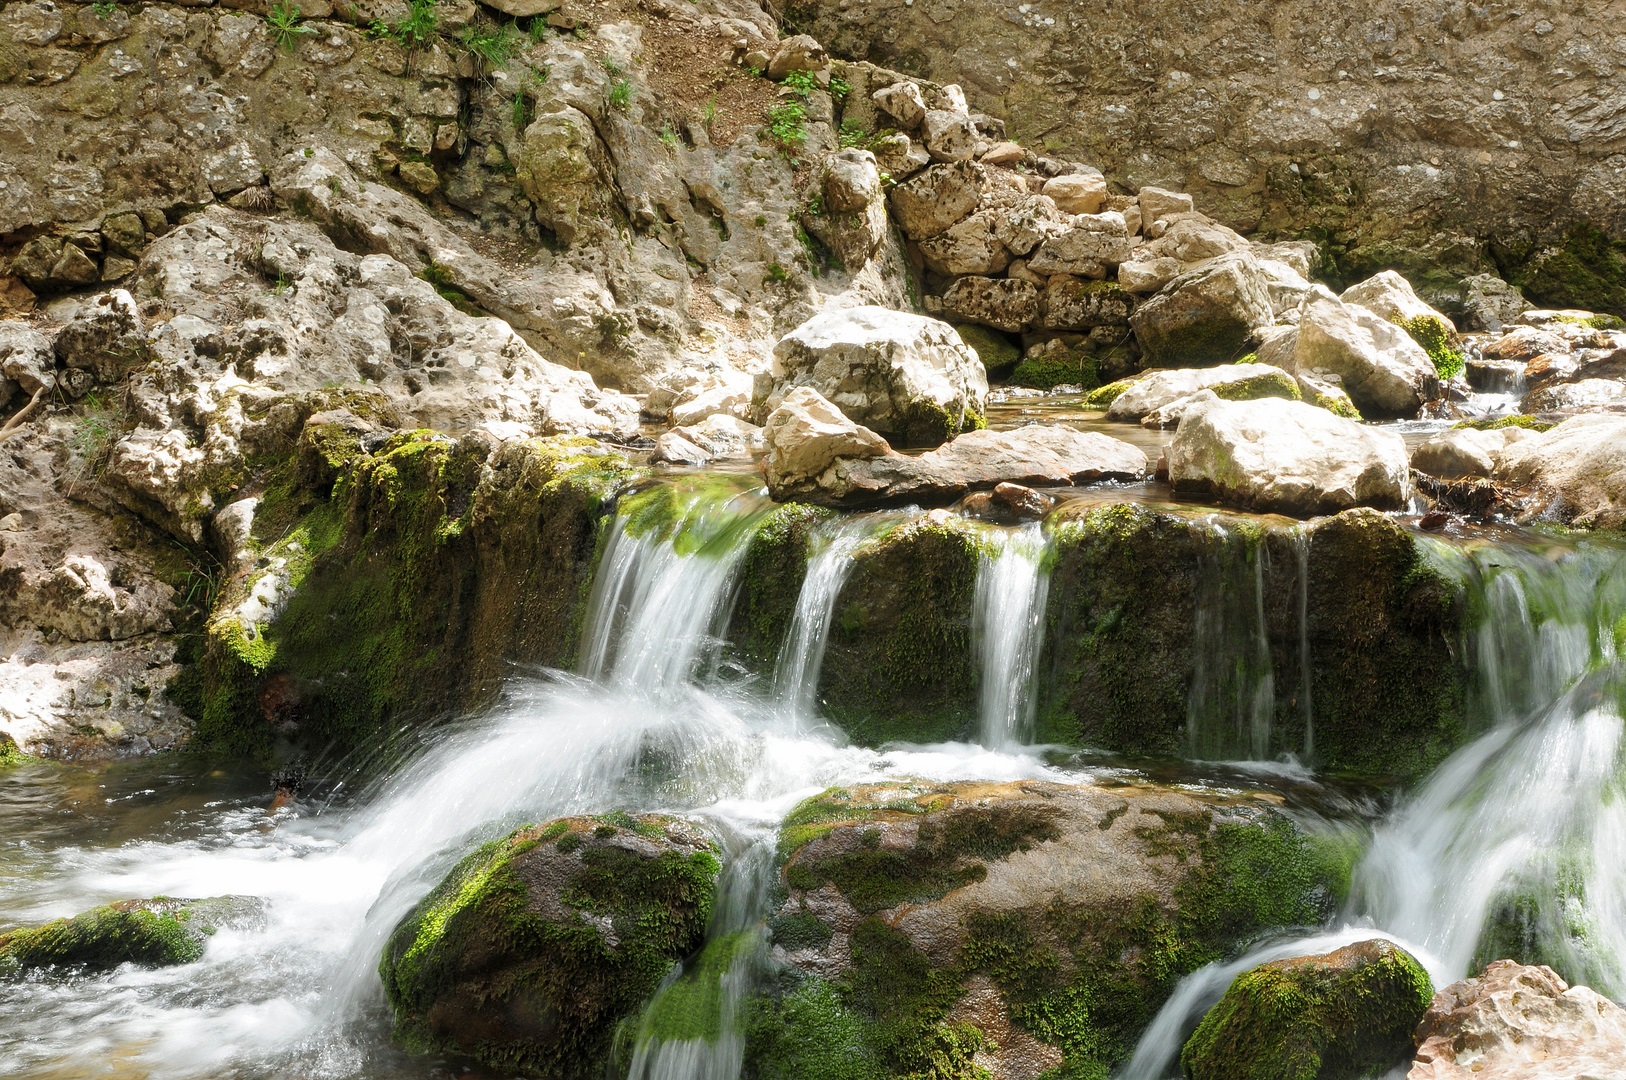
(1353, 1015)
(978, 460)
(912, 877)
(800, 52)
(805, 435)
(721, 435)
(1003, 303)
(937, 198)
(1073, 304)
(1234, 382)
(26, 357)
(611, 904)
(105, 336)
(1148, 275)
(1191, 238)
(905, 376)
(899, 156)
(1489, 303)
(1390, 296)
(949, 136)
(972, 246)
(521, 9)
(1206, 315)
(1078, 193)
(727, 392)
(1579, 394)
(1086, 246)
(1578, 468)
(1516, 1022)
(1286, 457)
(1384, 371)
(1157, 204)
(851, 181)
(903, 102)
(1452, 455)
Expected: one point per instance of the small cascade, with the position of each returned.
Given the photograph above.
(659, 595)
(1232, 703)
(693, 1027)
(1007, 632)
(801, 657)
(1301, 551)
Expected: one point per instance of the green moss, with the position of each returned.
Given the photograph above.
(1337, 404)
(771, 576)
(998, 352)
(160, 932)
(10, 754)
(560, 973)
(1055, 368)
(1102, 398)
(1198, 337)
(1439, 339)
(1585, 269)
(1274, 384)
(1518, 420)
(692, 1006)
(898, 661)
(1594, 322)
(810, 1034)
(922, 423)
(1310, 1020)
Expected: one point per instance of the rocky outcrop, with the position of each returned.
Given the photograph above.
(902, 375)
(537, 945)
(1018, 928)
(1578, 470)
(1206, 315)
(1355, 122)
(1344, 1015)
(160, 932)
(1513, 1021)
(817, 456)
(1285, 457)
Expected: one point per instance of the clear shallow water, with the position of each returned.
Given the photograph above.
(656, 724)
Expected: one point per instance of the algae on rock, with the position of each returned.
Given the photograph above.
(160, 932)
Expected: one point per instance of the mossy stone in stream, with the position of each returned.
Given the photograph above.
(10, 753)
(160, 932)
(408, 580)
(1272, 384)
(771, 577)
(536, 946)
(898, 664)
(1439, 339)
(1342, 1016)
(1036, 923)
(998, 352)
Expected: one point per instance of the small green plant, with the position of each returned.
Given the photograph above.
(708, 115)
(282, 284)
(815, 205)
(413, 31)
(491, 45)
(537, 30)
(621, 94)
(801, 83)
(104, 8)
(669, 137)
(787, 123)
(852, 134)
(612, 68)
(777, 274)
(1436, 337)
(520, 110)
(762, 222)
(287, 25)
(839, 87)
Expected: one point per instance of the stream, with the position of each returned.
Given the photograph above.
(656, 719)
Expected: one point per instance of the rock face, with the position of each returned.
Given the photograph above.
(906, 376)
(1514, 1022)
(1578, 467)
(160, 932)
(1285, 457)
(1206, 315)
(1341, 1016)
(536, 945)
(1282, 133)
(1020, 928)
(1384, 371)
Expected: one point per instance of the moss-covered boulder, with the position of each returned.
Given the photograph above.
(1341, 1016)
(1163, 624)
(771, 576)
(160, 932)
(898, 663)
(10, 752)
(941, 929)
(397, 585)
(538, 944)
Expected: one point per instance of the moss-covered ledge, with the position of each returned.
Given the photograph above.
(399, 584)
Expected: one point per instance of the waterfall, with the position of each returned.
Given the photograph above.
(801, 656)
(1232, 702)
(1007, 632)
(1301, 551)
(1516, 844)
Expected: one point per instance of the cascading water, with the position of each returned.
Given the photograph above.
(1007, 632)
(1232, 703)
(1516, 844)
(801, 657)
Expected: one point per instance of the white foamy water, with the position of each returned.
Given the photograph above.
(1007, 632)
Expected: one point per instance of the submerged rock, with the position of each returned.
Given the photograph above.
(1015, 927)
(1286, 457)
(160, 932)
(537, 945)
(905, 376)
(1514, 1022)
(1344, 1015)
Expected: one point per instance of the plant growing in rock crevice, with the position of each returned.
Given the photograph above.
(1438, 339)
(287, 25)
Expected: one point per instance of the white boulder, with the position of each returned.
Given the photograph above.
(1160, 388)
(1580, 466)
(806, 434)
(1384, 371)
(1452, 455)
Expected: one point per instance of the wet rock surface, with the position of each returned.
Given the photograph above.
(161, 932)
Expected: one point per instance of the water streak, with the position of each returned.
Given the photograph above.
(1232, 703)
(1007, 632)
(801, 657)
